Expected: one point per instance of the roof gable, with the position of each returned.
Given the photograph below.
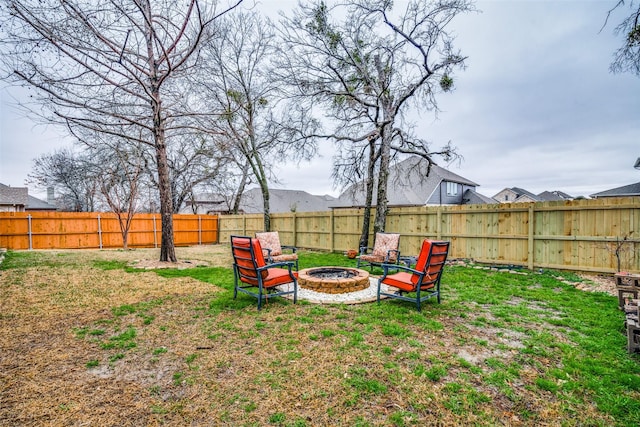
(13, 195)
(410, 183)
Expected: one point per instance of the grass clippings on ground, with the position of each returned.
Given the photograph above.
(86, 339)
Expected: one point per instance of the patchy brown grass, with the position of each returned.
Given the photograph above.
(192, 363)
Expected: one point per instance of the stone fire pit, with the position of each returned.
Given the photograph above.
(333, 280)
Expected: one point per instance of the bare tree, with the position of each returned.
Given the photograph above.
(627, 57)
(68, 173)
(257, 130)
(367, 70)
(113, 68)
(119, 170)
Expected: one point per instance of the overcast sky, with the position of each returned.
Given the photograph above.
(536, 107)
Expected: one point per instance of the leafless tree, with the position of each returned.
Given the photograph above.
(258, 131)
(627, 57)
(112, 67)
(119, 171)
(68, 172)
(366, 71)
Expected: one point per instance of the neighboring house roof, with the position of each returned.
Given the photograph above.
(281, 201)
(409, 184)
(35, 204)
(205, 203)
(522, 195)
(13, 195)
(624, 191)
(551, 196)
(472, 197)
(522, 192)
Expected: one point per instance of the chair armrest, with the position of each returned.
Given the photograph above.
(292, 248)
(389, 255)
(287, 264)
(397, 267)
(364, 249)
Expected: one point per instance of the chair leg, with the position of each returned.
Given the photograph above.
(235, 285)
(295, 293)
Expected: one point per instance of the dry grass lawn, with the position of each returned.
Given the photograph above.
(83, 343)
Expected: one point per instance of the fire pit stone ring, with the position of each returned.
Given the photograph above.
(333, 280)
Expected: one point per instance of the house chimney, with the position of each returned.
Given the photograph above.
(51, 198)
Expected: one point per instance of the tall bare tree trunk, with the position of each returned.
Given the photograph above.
(382, 202)
(243, 183)
(371, 167)
(167, 248)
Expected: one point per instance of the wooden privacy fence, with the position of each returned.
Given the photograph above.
(71, 230)
(580, 235)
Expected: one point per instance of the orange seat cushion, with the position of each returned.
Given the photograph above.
(403, 281)
(277, 276)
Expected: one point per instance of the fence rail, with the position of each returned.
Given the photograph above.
(581, 235)
(71, 230)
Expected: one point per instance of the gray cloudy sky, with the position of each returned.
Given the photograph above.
(536, 107)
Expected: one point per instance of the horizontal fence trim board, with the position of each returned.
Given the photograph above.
(484, 236)
(611, 239)
(585, 208)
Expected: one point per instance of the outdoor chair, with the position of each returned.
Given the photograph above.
(386, 250)
(423, 280)
(273, 251)
(251, 271)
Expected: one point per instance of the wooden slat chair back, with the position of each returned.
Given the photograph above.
(386, 250)
(250, 270)
(274, 251)
(423, 280)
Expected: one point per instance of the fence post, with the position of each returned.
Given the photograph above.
(439, 223)
(530, 246)
(295, 229)
(30, 236)
(332, 231)
(155, 239)
(244, 225)
(99, 232)
(199, 230)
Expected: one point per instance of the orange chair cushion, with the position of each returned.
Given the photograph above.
(404, 281)
(421, 264)
(277, 276)
(243, 259)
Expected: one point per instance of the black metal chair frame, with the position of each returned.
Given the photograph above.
(263, 292)
(419, 298)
